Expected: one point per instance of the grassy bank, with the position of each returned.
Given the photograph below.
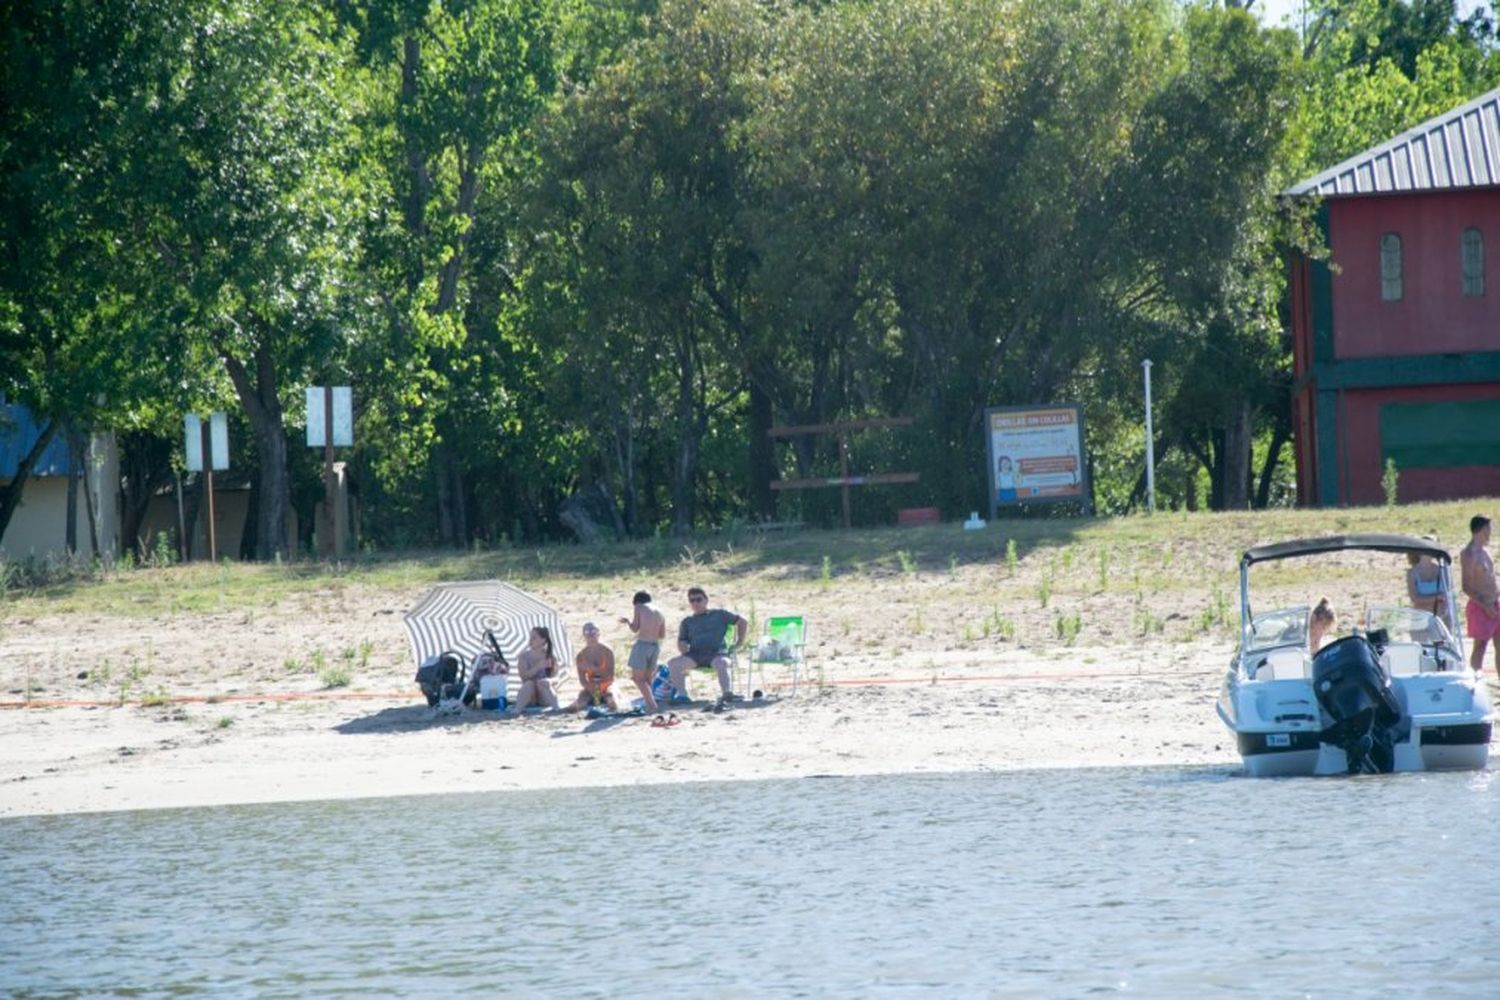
(1184, 552)
(1077, 594)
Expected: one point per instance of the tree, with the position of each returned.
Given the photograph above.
(238, 210)
(644, 187)
(75, 347)
(454, 88)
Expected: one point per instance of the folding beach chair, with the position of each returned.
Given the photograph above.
(783, 644)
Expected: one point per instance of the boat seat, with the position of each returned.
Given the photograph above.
(1404, 660)
(1282, 665)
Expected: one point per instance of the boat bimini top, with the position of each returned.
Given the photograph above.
(1338, 543)
(1399, 544)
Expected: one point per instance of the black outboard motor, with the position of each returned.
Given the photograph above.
(1356, 694)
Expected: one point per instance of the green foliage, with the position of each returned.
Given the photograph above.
(588, 249)
(1067, 627)
(334, 676)
(1216, 615)
(1390, 480)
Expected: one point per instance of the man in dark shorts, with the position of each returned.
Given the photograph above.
(701, 641)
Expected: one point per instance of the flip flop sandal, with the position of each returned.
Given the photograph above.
(660, 722)
(673, 720)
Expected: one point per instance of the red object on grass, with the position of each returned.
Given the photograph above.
(919, 515)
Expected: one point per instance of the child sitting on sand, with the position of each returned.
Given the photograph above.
(596, 672)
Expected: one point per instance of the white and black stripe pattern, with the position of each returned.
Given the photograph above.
(454, 616)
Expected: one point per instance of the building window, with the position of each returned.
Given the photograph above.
(1473, 262)
(1390, 267)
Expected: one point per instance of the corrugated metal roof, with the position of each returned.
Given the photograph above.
(1456, 149)
(18, 432)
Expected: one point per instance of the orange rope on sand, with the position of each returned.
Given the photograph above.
(210, 699)
(185, 699)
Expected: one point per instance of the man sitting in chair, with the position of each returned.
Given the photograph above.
(700, 639)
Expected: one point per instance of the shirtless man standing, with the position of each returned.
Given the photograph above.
(1482, 613)
(650, 628)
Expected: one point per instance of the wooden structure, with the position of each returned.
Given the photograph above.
(843, 480)
(1396, 338)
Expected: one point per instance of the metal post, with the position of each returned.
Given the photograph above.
(208, 490)
(330, 487)
(1150, 444)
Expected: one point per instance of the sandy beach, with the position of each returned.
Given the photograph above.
(1008, 712)
(1058, 659)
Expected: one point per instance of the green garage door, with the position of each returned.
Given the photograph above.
(1440, 435)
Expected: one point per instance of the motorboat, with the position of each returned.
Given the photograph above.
(1397, 694)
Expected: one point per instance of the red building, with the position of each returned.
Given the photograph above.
(1396, 339)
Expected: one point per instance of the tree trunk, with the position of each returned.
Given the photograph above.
(10, 493)
(762, 456)
(1237, 446)
(1279, 437)
(685, 474)
(692, 421)
(263, 408)
(624, 438)
(452, 514)
(251, 534)
(75, 469)
(88, 506)
(192, 502)
(146, 461)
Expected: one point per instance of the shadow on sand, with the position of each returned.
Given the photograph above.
(412, 718)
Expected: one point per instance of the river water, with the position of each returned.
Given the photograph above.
(1146, 882)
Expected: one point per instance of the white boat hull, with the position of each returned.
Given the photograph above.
(1327, 759)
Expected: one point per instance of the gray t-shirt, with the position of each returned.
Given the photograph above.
(704, 633)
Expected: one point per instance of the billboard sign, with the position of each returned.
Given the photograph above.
(1035, 455)
(343, 417)
(218, 441)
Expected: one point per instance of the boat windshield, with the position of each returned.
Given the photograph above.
(1409, 625)
(1278, 628)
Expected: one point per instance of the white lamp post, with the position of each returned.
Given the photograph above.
(1150, 450)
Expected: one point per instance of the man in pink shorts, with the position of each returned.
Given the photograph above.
(1482, 613)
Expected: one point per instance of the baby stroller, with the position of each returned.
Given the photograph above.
(448, 683)
(442, 679)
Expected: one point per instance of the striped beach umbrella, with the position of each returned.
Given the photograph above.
(455, 616)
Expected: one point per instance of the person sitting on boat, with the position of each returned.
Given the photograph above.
(1319, 625)
(596, 672)
(1424, 584)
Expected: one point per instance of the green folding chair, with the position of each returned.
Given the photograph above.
(787, 635)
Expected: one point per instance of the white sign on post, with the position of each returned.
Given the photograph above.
(218, 443)
(343, 417)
